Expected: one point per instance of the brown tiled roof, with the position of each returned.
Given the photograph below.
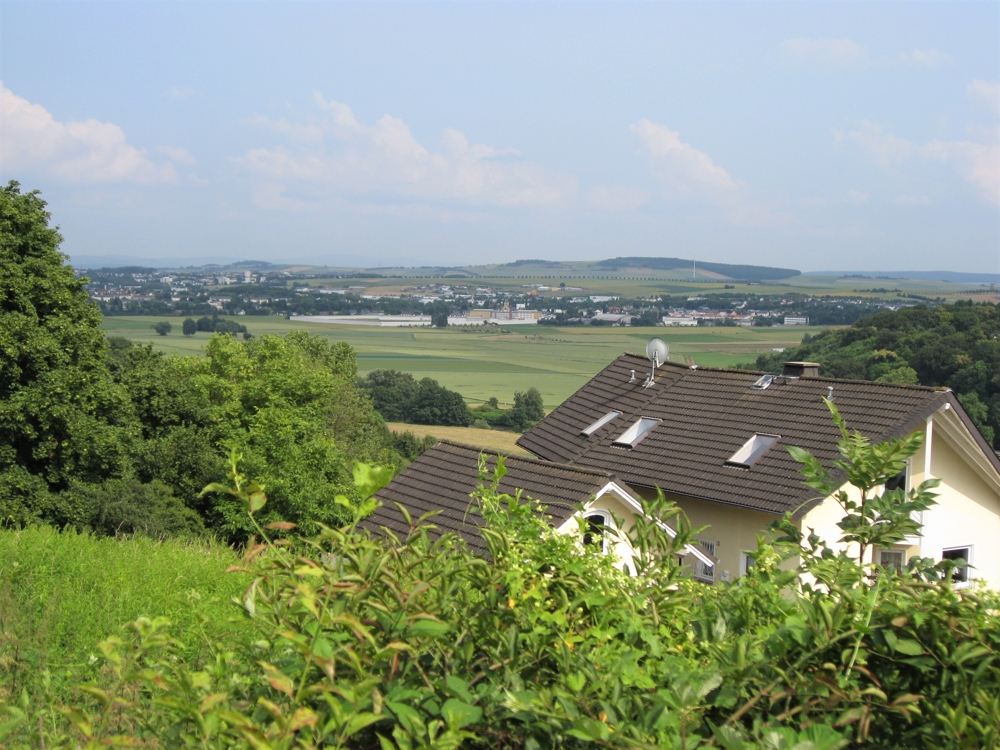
(445, 476)
(708, 414)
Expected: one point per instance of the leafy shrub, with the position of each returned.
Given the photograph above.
(162, 328)
(379, 641)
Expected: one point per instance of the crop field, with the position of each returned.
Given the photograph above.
(653, 284)
(497, 440)
(481, 364)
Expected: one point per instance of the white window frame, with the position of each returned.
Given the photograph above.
(746, 563)
(607, 418)
(753, 449)
(605, 521)
(703, 571)
(635, 434)
(892, 551)
(966, 571)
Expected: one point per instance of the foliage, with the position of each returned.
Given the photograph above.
(378, 641)
(189, 328)
(399, 397)
(950, 345)
(162, 328)
(61, 416)
(215, 324)
(62, 592)
(411, 447)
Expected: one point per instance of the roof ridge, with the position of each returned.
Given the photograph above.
(530, 459)
(823, 378)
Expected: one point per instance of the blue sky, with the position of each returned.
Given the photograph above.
(847, 136)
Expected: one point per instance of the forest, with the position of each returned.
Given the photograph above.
(184, 564)
(951, 345)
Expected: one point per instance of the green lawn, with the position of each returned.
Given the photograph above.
(479, 365)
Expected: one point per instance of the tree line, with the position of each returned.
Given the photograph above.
(952, 345)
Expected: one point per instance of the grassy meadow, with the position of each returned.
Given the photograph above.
(62, 592)
(480, 364)
(497, 440)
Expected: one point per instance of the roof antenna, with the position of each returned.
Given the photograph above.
(632, 379)
(829, 393)
(658, 352)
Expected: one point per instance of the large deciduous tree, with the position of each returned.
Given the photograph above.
(61, 415)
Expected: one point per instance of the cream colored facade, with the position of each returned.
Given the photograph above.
(967, 514)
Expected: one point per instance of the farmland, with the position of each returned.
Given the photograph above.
(481, 364)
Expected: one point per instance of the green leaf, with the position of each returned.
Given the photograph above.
(459, 688)
(257, 501)
(428, 629)
(458, 714)
(909, 647)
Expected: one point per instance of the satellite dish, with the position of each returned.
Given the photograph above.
(658, 351)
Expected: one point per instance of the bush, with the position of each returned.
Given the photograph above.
(162, 328)
(387, 642)
(190, 328)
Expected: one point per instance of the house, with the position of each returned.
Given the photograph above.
(715, 440)
(443, 479)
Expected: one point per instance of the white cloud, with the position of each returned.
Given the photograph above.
(338, 154)
(885, 147)
(857, 196)
(85, 151)
(834, 53)
(843, 53)
(617, 197)
(176, 154)
(977, 163)
(911, 200)
(986, 93)
(925, 58)
(176, 92)
(681, 163)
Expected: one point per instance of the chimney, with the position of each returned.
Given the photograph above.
(801, 369)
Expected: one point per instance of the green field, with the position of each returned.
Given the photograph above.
(653, 284)
(479, 365)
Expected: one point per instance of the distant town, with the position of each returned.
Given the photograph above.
(345, 299)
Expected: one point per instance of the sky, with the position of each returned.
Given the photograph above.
(813, 135)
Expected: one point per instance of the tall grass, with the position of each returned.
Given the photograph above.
(62, 592)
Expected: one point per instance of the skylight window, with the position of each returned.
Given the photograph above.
(588, 431)
(762, 383)
(634, 434)
(752, 449)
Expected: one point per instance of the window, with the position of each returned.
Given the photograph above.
(634, 434)
(963, 557)
(892, 558)
(752, 449)
(596, 531)
(588, 431)
(762, 382)
(703, 571)
(898, 482)
(746, 563)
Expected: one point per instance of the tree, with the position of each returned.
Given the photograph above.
(162, 328)
(440, 319)
(392, 393)
(190, 328)
(61, 415)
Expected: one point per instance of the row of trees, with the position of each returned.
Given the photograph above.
(399, 397)
(954, 346)
(119, 438)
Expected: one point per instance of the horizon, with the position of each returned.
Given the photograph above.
(828, 135)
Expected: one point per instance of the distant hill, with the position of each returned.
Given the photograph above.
(741, 272)
(952, 276)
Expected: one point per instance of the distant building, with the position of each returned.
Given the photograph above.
(670, 320)
(796, 321)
